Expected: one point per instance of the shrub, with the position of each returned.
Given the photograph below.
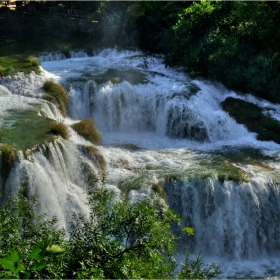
(33, 60)
(8, 160)
(119, 240)
(60, 129)
(65, 49)
(23, 232)
(88, 129)
(56, 94)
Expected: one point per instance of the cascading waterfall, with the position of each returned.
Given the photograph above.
(159, 127)
(232, 220)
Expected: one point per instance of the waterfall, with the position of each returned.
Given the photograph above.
(158, 126)
(58, 174)
(232, 220)
(54, 56)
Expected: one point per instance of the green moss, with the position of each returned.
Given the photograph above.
(33, 60)
(252, 117)
(88, 129)
(115, 80)
(134, 183)
(8, 157)
(17, 63)
(25, 129)
(221, 167)
(60, 129)
(57, 94)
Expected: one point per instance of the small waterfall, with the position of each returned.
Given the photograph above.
(57, 174)
(56, 56)
(124, 107)
(232, 220)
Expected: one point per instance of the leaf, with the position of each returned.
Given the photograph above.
(35, 254)
(7, 264)
(188, 230)
(13, 256)
(27, 275)
(37, 266)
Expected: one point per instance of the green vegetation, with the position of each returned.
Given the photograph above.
(25, 129)
(88, 129)
(119, 240)
(65, 49)
(234, 42)
(34, 60)
(8, 158)
(252, 117)
(18, 63)
(206, 36)
(57, 94)
(60, 129)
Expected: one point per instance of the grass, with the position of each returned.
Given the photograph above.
(10, 65)
(25, 129)
(33, 60)
(55, 93)
(88, 129)
(60, 129)
(8, 157)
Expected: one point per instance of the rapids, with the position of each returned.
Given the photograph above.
(159, 127)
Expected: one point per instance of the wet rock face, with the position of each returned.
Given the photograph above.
(252, 117)
(183, 123)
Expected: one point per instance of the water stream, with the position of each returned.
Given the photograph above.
(159, 126)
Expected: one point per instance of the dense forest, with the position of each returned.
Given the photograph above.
(233, 42)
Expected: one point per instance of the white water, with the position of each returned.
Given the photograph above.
(154, 126)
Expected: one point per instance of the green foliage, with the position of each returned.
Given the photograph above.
(57, 94)
(232, 42)
(65, 49)
(26, 239)
(195, 269)
(6, 71)
(88, 129)
(123, 240)
(118, 240)
(60, 129)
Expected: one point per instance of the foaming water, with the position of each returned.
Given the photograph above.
(161, 127)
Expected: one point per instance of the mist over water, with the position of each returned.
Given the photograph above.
(158, 126)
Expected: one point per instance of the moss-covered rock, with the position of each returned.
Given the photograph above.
(56, 94)
(88, 129)
(8, 158)
(252, 117)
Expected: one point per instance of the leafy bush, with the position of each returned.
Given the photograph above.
(119, 240)
(65, 49)
(60, 129)
(88, 129)
(23, 233)
(57, 94)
